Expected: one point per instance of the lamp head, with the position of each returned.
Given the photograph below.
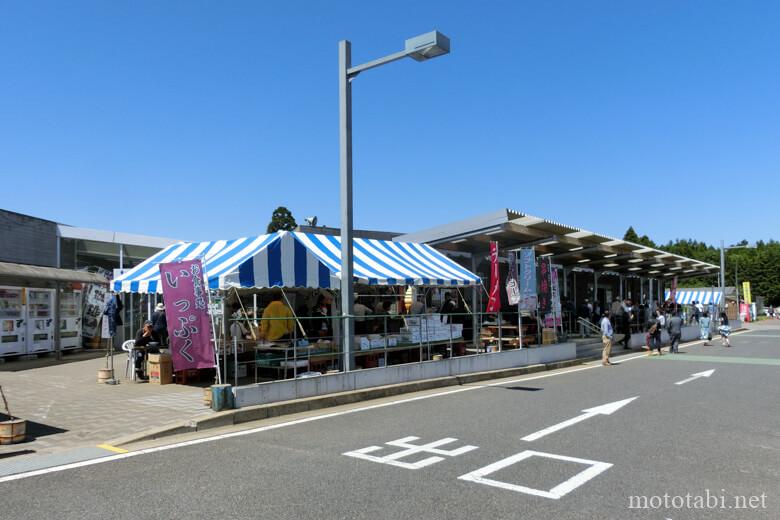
(427, 46)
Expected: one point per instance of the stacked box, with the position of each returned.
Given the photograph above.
(159, 367)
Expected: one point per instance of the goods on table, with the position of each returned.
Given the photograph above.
(429, 328)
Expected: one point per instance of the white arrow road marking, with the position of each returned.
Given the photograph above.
(604, 409)
(706, 373)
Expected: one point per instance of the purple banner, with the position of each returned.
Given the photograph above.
(545, 288)
(189, 326)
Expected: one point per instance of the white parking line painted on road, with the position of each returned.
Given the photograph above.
(410, 450)
(605, 409)
(555, 493)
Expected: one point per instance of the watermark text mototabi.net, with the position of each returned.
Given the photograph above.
(707, 499)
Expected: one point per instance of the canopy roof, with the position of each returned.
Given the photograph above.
(53, 274)
(287, 259)
(567, 245)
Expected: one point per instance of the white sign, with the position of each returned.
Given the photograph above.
(410, 450)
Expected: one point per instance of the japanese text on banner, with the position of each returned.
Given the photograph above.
(189, 326)
(528, 298)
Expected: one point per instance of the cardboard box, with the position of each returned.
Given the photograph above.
(160, 372)
(160, 358)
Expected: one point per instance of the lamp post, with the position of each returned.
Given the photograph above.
(723, 250)
(419, 48)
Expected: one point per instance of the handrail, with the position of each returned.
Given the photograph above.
(590, 326)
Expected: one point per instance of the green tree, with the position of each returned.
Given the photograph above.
(281, 220)
(632, 236)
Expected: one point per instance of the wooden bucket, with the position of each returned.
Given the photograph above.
(12, 432)
(104, 374)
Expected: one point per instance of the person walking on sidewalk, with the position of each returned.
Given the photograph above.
(606, 339)
(654, 332)
(724, 330)
(704, 328)
(675, 333)
(625, 322)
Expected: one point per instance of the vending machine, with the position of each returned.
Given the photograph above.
(40, 320)
(70, 320)
(12, 322)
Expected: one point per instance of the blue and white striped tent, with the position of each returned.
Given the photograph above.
(286, 259)
(688, 296)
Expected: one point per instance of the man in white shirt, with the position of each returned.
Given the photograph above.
(606, 339)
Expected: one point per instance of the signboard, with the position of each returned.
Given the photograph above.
(512, 285)
(746, 293)
(95, 298)
(554, 318)
(528, 299)
(189, 325)
(494, 303)
(545, 287)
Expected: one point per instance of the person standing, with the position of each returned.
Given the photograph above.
(160, 324)
(606, 339)
(654, 333)
(321, 322)
(625, 323)
(675, 333)
(448, 308)
(704, 328)
(276, 323)
(724, 330)
(615, 309)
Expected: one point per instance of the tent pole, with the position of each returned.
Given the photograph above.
(243, 311)
(289, 305)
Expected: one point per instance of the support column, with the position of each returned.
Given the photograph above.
(57, 318)
(474, 307)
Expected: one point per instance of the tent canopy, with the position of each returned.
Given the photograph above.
(292, 259)
(688, 296)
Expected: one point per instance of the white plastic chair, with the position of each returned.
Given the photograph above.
(128, 346)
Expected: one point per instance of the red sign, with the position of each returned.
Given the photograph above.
(494, 304)
(189, 326)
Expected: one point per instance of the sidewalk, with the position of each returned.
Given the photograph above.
(66, 408)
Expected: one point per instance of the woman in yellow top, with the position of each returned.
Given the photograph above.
(273, 326)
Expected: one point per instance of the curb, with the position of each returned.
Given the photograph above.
(264, 411)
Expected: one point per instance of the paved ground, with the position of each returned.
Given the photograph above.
(70, 409)
(712, 441)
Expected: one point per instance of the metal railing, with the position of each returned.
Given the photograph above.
(311, 345)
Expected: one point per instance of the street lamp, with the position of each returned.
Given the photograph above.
(419, 48)
(723, 250)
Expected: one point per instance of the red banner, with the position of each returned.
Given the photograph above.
(494, 303)
(189, 326)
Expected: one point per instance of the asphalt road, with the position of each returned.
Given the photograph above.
(712, 442)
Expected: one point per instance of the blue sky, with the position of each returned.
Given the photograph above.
(194, 120)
